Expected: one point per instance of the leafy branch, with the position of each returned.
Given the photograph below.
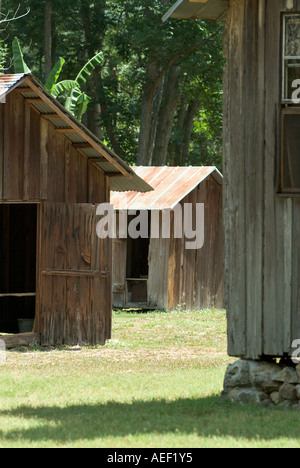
(76, 100)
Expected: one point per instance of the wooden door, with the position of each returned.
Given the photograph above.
(74, 297)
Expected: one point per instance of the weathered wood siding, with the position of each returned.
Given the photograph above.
(195, 279)
(159, 274)
(181, 278)
(38, 163)
(75, 277)
(262, 247)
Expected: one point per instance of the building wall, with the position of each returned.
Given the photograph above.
(38, 163)
(159, 274)
(180, 278)
(196, 276)
(262, 248)
(73, 267)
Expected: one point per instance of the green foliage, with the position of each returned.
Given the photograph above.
(4, 53)
(18, 59)
(54, 75)
(63, 87)
(131, 36)
(76, 101)
(88, 68)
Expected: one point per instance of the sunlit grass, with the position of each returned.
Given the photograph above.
(157, 383)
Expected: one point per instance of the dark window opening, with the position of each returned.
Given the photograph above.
(290, 113)
(290, 176)
(137, 269)
(18, 228)
(290, 56)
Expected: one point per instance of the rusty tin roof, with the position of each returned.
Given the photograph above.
(170, 184)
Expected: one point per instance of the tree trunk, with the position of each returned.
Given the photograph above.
(155, 114)
(48, 38)
(93, 120)
(166, 117)
(146, 116)
(188, 131)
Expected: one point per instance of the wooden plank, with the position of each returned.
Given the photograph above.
(50, 116)
(208, 276)
(81, 145)
(295, 280)
(234, 180)
(65, 130)
(188, 263)
(27, 140)
(76, 300)
(287, 273)
(14, 147)
(76, 175)
(18, 295)
(78, 130)
(33, 100)
(44, 157)
(274, 207)
(75, 273)
(21, 339)
(158, 276)
(34, 158)
(96, 184)
(174, 270)
(254, 112)
(67, 182)
(56, 165)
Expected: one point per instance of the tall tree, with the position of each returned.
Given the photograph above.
(156, 98)
(48, 38)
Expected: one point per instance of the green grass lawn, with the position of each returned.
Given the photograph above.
(156, 384)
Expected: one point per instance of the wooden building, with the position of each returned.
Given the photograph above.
(53, 171)
(261, 172)
(157, 270)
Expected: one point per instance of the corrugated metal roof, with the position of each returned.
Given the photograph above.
(202, 9)
(122, 177)
(171, 185)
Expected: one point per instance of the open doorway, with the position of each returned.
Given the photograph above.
(18, 243)
(137, 270)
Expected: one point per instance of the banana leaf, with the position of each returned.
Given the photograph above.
(82, 103)
(86, 71)
(64, 86)
(54, 75)
(18, 59)
(71, 100)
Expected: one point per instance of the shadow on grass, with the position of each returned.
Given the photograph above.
(205, 417)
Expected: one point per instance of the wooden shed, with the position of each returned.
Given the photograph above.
(157, 270)
(261, 172)
(53, 171)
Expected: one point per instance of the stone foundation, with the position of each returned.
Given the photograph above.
(264, 383)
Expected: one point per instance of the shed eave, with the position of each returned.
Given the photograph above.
(214, 10)
(74, 130)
